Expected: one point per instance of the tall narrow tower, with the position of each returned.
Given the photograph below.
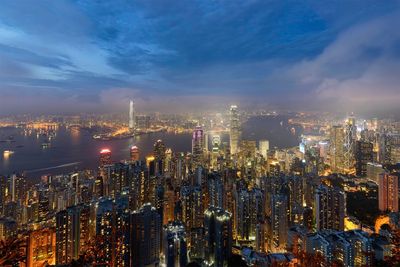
(234, 132)
(131, 115)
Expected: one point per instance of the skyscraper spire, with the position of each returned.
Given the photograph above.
(131, 115)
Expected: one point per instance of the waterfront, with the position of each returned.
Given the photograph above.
(76, 149)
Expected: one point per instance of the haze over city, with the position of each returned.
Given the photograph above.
(175, 56)
(199, 133)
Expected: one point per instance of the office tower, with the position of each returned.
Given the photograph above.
(175, 245)
(218, 236)
(105, 157)
(330, 208)
(132, 120)
(134, 153)
(279, 222)
(145, 236)
(72, 233)
(159, 156)
(384, 148)
(263, 147)
(388, 192)
(350, 137)
(198, 146)
(234, 131)
(215, 151)
(336, 149)
(364, 154)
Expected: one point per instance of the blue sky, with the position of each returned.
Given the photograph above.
(60, 56)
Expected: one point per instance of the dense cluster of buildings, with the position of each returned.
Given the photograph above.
(270, 206)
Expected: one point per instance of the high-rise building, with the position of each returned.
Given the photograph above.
(364, 154)
(234, 132)
(132, 120)
(72, 233)
(350, 137)
(159, 156)
(175, 245)
(145, 236)
(330, 208)
(218, 236)
(263, 147)
(134, 153)
(105, 157)
(279, 222)
(198, 146)
(336, 149)
(388, 192)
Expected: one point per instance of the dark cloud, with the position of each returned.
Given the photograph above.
(309, 54)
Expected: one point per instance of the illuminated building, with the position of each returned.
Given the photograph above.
(132, 120)
(192, 207)
(384, 148)
(350, 137)
(112, 224)
(134, 153)
(143, 122)
(159, 156)
(8, 228)
(388, 192)
(218, 236)
(336, 149)
(234, 132)
(145, 236)
(216, 144)
(198, 145)
(364, 154)
(263, 147)
(249, 212)
(41, 249)
(3, 193)
(373, 171)
(72, 232)
(175, 245)
(105, 157)
(279, 222)
(330, 205)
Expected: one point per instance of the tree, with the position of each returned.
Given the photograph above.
(12, 251)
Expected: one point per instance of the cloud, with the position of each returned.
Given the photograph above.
(170, 55)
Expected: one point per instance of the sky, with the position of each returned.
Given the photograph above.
(191, 55)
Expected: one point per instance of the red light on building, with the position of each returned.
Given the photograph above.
(105, 157)
(134, 153)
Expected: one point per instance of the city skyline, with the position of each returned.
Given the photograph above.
(173, 56)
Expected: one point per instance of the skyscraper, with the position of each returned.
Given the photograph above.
(105, 157)
(175, 245)
(234, 132)
(263, 147)
(145, 236)
(198, 146)
(134, 153)
(218, 236)
(131, 116)
(388, 192)
(350, 136)
(336, 149)
(364, 154)
(330, 208)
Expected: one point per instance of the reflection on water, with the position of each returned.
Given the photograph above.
(74, 148)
